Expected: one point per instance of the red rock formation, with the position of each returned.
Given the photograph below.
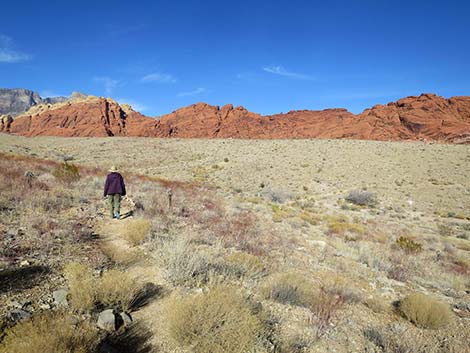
(427, 117)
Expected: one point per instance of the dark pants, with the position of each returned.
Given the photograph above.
(114, 205)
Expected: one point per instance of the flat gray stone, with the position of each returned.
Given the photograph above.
(60, 297)
(107, 320)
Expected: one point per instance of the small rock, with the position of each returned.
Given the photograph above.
(60, 297)
(24, 263)
(126, 318)
(44, 306)
(18, 315)
(107, 320)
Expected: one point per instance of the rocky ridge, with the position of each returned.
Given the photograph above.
(426, 117)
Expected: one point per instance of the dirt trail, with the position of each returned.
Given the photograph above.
(136, 263)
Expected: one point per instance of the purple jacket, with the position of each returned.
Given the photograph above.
(114, 184)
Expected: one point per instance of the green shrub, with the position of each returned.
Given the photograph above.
(54, 332)
(425, 311)
(66, 173)
(218, 321)
(408, 244)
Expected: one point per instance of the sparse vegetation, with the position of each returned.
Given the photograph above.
(424, 311)
(50, 332)
(116, 289)
(218, 321)
(82, 286)
(136, 230)
(408, 245)
(66, 173)
(362, 198)
(288, 288)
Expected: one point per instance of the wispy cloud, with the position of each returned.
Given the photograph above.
(137, 106)
(158, 77)
(108, 83)
(8, 54)
(279, 70)
(192, 93)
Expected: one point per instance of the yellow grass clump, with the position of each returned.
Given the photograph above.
(52, 332)
(116, 288)
(424, 311)
(288, 288)
(218, 321)
(82, 286)
(136, 230)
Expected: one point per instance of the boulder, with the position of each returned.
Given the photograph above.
(60, 297)
(107, 320)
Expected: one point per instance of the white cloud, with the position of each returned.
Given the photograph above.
(108, 83)
(158, 77)
(192, 93)
(279, 70)
(139, 107)
(8, 54)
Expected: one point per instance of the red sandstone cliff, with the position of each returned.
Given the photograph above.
(427, 117)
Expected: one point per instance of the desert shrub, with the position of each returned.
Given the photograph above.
(136, 230)
(82, 286)
(218, 321)
(277, 195)
(425, 311)
(445, 230)
(341, 225)
(116, 289)
(288, 288)
(324, 307)
(55, 332)
(361, 198)
(245, 265)
(184, 265)
(66, 173)
(408, 245)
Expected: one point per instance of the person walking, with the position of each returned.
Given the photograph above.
(114, 189)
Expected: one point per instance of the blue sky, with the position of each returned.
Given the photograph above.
(269, 56)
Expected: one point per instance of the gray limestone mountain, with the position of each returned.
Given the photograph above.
(15, 101)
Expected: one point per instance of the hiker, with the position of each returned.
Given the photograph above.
(114, 189)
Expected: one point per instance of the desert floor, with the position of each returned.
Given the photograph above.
(267, 218)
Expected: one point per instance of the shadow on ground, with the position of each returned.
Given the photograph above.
(134, 339)
(149, 292)
(20, 278)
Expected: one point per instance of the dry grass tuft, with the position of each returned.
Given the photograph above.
(288, 288)
(56, 333)
(66, 173)
(82, 286)
(341, 225)
(116, 289)
(136, 230)
(184, 265)
(425, 311)
(247, 265)
(218, 321)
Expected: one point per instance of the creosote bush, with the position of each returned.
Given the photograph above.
(425, 311)
(66, 173)
(218, 321)
(136, 230)
(408, 245)
(50, 332)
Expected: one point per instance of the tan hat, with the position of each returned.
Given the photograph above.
(112, 169)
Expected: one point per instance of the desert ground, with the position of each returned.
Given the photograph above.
(316, 245)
